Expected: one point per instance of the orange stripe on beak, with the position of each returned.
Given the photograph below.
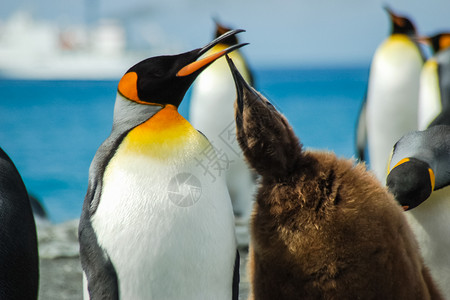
(196, 65)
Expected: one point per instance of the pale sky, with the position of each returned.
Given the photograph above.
(286, 32)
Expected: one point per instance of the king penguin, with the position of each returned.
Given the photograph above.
(322, 227)
(154, 225)
(390, 108)
(419, 178)
(19, 261)
(434, 97)
(211, 112)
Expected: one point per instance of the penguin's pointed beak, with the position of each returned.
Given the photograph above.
(395, 18)
(388, 10)
(239, 82)
(425, 40)
(204, 62)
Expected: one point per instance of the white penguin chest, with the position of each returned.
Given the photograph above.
(429, 97)
(430, 222)
(392, 98)
(167, 226)
(394, 80)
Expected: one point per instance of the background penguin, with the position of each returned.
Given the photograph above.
(420, 180)
(39, 212)
(154, 225)
(390, 108)
(19, 261)
(434, 97)
(211, 112)
(321, 227)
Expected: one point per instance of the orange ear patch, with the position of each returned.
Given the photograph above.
(401, 162)
(444, 42)
(432, 178)
(128, 86)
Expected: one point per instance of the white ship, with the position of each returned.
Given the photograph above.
(39, 50)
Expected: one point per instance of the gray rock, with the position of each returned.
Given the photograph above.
(61, 276)
(58, 241)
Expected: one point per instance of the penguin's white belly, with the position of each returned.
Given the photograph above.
(166, 238)
(213, 97)
(392, 99)
(430, 222)
(212, 112)
(430, 95)
(212, 104)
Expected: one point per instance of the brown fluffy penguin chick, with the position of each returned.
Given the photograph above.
(321, 227)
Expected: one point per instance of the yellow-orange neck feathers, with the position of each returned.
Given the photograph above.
(164, 135)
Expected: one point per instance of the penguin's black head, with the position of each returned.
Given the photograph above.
(439, 41)
(165, 80)
(401, 24)
(411, 181)
(220, 30)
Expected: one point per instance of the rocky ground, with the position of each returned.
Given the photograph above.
(60, 269)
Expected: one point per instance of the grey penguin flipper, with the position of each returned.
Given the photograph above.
(236, 277)
(37, 207)
(99, 270)
(444, 78)
(19, 261)
(443, 118)
(100, 273)
(361, 133)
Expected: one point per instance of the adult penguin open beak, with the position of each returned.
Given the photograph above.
(204, 62)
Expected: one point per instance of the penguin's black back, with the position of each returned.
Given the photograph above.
(442, 119)
(444, 82)
(444, 89)
(19, 262)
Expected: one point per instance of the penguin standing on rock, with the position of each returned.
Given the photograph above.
(390, 108)
(419, 178)
(19, 260)
(434, 97)
(155, 224)
(212, 112)
(321, 227)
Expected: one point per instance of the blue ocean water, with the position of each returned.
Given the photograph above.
(52, 129)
